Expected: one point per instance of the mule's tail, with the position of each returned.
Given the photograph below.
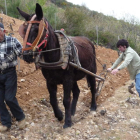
(94, 58)
(94, 68)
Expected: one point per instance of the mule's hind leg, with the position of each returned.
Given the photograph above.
(92, 83)
(52, 88)
(76, 92)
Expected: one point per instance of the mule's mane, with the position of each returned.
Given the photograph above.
(52, 42)
(52, 37)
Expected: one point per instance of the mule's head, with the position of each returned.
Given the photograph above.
(33, 32)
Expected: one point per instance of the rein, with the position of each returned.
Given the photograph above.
(35, 45)
(29, 53)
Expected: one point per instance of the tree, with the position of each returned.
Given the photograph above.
(12, 8)
(74, 21)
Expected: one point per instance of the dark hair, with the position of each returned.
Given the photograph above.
(122, 42)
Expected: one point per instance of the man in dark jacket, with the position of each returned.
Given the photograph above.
(10, 48)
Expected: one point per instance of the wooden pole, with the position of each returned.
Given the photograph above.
(5, 7)
(86, 71)
(97, 34)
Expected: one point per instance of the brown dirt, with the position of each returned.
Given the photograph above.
(41, 123)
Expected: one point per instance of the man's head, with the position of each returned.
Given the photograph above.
(2, 32)
(122, 42)
(122, 45)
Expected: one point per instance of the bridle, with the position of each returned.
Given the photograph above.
(42, 25)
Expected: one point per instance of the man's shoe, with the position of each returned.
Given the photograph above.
(3, 128)
(21, 124)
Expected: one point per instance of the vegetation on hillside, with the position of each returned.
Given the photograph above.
(79, 20)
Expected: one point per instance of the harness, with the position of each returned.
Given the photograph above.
(68, 52)
(34, 45)
(67, 48)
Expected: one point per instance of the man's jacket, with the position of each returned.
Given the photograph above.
(131, 60)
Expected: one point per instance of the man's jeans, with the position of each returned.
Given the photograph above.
(8, 89)
(137, 80)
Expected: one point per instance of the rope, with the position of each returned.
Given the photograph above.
(29, 53)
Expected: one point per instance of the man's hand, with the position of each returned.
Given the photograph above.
(114, 71)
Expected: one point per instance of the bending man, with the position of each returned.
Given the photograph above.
(130, 59)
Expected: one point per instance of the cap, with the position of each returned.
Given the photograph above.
(1, 25)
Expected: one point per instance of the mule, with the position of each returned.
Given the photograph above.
(69, 76)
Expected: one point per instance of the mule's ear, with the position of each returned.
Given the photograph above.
(39, 12)
(23, 14)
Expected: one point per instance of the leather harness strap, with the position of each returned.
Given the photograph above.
(27, 33)
(40, 32)
(42, 25)
(41, 29)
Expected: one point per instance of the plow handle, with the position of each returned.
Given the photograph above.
(86, 71)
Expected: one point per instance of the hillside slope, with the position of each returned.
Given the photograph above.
(41, 123)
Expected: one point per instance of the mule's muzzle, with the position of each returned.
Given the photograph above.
(28, 56)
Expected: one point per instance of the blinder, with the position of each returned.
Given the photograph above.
(21, 30)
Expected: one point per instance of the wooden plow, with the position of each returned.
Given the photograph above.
(100, 81)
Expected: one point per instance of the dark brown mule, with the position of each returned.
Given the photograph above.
(67, 77)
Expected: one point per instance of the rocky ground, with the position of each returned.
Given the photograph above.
(117, 115)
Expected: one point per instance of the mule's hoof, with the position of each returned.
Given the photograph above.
(59, 116)
(93, 108)
(60, 119)
(66, 126)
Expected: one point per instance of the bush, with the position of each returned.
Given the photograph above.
(108, 39)
(74, 21)
(91, 35)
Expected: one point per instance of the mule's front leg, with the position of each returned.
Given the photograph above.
(52, 88)
(67, 104)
